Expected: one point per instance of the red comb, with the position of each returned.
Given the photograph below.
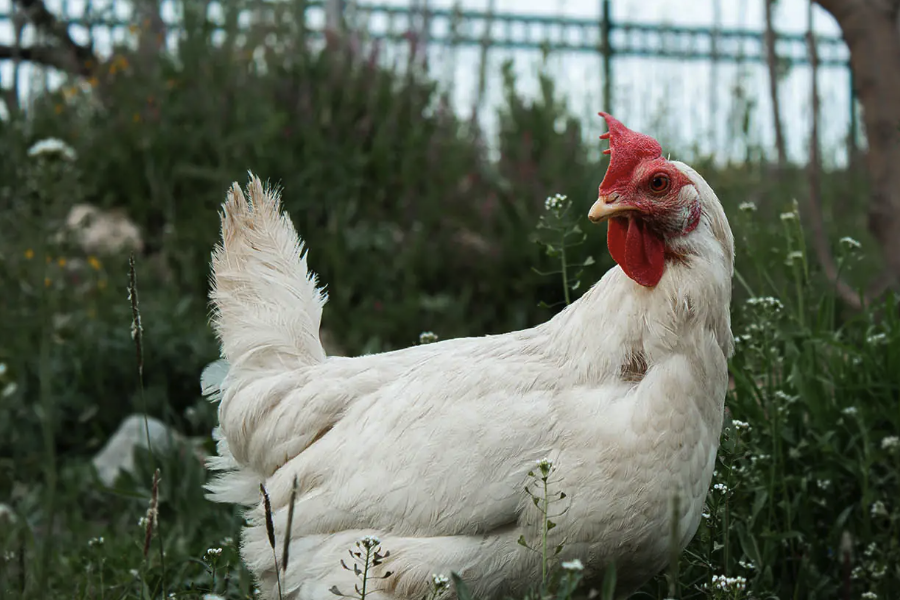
(627, 149)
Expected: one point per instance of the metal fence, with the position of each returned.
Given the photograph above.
(612, 43)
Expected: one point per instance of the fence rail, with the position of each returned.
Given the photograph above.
(605, 37)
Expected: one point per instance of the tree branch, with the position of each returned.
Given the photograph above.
(814, 203)
(74, 57)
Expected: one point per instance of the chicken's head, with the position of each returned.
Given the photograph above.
(647, 201)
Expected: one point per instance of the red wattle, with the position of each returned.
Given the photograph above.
(639, 251)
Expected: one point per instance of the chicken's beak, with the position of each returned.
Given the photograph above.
(606, 207)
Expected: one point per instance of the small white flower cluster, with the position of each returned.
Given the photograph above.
(369, 542)
(876, 338)
(213, 552)
(747, 206)
(792, 256)
(879, 509)
(823, 484)
(741, 425)
(850, 243)
(572, 565)
(213, 597)
(869, 596)
(556, 202)
(789, 216)
(52, 147)
(891, 442)
(545, 465)
(747, 564)
(440, 582)
(97, 541)
(787, 399)
(721, 487)
(850, 411)
(766, 302)
(428, 337)
(728, 584)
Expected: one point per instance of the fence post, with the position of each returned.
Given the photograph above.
(607, 51)
(334, 15)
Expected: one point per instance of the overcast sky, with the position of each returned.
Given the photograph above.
(683, 103)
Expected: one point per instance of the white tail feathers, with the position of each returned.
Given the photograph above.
(267, 305)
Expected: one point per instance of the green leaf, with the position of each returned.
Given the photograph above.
(462, 590)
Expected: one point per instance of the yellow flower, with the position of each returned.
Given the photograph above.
(61, 262)
(93, 81)
(29, 254)
(47, 282)
(94, 262)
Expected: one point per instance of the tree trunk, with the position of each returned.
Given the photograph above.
(772, 62)
(871, 32)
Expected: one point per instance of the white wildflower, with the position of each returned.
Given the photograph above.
(213, 597)
(879, 509)
(741, 425)
(440, 581)
(9, 556)
(428, 337)
(879, 572)
(857, 573)
(850, 411)
(728, 584)
(850, 243)
(747, 564)
(870, 550)
(545, 465)
(572, 565)
(876, 338)
(721, 487)
(9, 389)
(747, 206)
(767, 302)
(869, 596)
(213, 552)
(97, 541)
(823, 484)
(792, 256)
(556, 202)
(890, 442)
(779, 395)
(134, 573)
(52, 147)
(227, 541)
(789, 216)
(369, 542)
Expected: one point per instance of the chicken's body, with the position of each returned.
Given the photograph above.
(429, 448)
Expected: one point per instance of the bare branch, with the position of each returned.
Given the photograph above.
(814, 203)
(78, 59)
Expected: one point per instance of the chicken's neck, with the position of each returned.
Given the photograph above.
(618, 321)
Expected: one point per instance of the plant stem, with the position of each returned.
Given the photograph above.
(565, 278)
(545, 510)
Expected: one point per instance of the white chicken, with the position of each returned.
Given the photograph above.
(429, 448)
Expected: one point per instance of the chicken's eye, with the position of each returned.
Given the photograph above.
(659, 183)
